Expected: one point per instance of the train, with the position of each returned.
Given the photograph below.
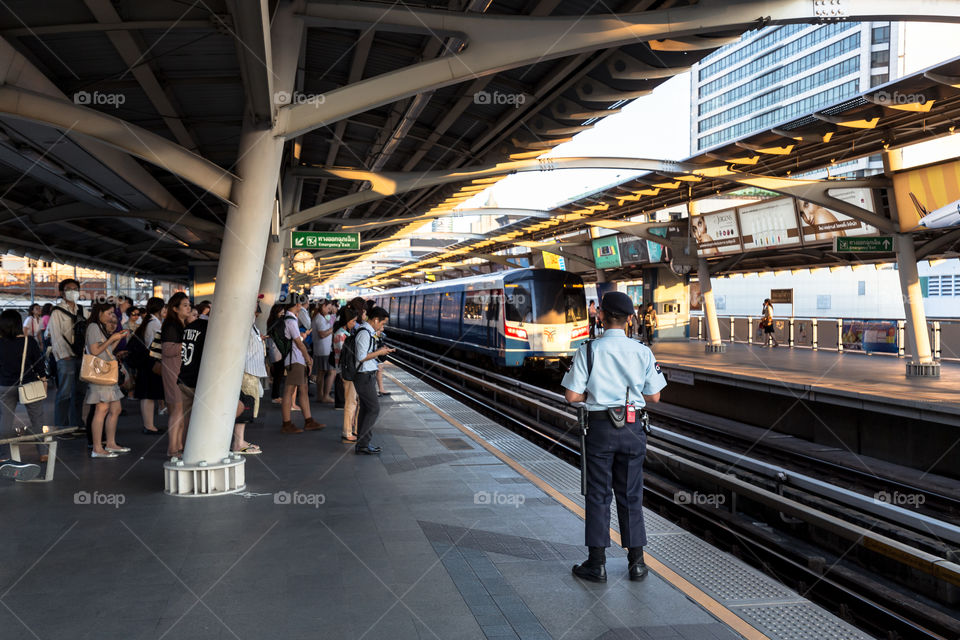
(520, 318)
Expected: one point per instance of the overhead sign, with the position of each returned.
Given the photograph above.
(781, 296)
(864, 244)
(325, 240)
(928, 197)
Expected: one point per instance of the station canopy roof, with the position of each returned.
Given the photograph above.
(913, 109)
(179, 70)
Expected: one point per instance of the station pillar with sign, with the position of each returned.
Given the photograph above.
(714, 344)
(921, 362)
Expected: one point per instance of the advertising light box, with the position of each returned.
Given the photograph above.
(821, 224)
(716, 233)
(772, 223)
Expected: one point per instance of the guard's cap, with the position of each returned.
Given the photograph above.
(617, 303)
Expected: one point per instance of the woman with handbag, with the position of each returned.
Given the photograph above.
(100, 371)
(23, 374)
(149, 385)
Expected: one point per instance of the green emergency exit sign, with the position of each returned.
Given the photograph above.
(863, 244)
(325, 240)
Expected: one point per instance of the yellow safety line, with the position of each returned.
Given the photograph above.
(693, 592)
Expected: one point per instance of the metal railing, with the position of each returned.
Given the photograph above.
(836, 334)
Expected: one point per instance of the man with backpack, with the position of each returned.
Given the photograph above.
(67, 332)
(358, 363)
(297, 361)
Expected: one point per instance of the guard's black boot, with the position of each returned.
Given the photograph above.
(593, 569)
(637, 568)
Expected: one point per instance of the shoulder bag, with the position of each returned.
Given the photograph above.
(94, 370)
(32, 391)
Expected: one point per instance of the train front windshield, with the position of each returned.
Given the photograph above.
(546, 298)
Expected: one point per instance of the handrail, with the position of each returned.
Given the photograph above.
(842, 335)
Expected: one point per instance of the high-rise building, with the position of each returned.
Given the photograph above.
(776, 74)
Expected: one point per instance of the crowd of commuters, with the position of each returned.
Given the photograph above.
(641, 325)
(151, 354)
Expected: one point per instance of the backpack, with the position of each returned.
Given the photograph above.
(79, 330)
(349, 360)
(278, 333)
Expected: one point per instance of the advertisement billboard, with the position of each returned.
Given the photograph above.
(877, 336)
(821, 224)
(772, 223)
(606, 254)
(929, 197)
(655, 249)
(554, 261)
(716, 233)
(633, 250)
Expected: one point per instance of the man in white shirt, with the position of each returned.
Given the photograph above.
(66, 408)
(297, 362)
(322, 343)
(365, 381)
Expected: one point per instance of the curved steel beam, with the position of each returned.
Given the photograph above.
(511, 213)
(119, 134)
(384, 185)
(500, 42)
(81, 211)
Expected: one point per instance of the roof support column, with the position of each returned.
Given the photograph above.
(921, 363)
(207, 467)
(273, 266)
(714, 343)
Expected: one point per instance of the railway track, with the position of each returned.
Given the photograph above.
(887, 568)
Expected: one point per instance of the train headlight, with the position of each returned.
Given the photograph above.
(515, 332)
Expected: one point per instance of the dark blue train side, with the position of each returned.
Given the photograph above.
(514, 318)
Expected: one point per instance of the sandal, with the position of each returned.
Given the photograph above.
(347, 439)
(249, 450)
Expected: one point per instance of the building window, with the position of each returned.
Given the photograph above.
(880, 58)
(881, 35)
(823, 302)
(878, 79)
(862, 288)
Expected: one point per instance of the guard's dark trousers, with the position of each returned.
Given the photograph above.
(369, 406)
(615, 460)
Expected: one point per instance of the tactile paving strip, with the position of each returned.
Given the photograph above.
(797, 621)
(766, 604)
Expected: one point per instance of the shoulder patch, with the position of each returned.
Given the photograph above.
(656, 365)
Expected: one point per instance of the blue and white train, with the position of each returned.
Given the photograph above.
(516, 318)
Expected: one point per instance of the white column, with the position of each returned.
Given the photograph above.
(922, 363)
(270, 277)
(242, 255)
(714, 344)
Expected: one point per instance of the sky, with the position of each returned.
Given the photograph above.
(657, 126)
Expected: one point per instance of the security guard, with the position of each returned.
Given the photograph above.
(621, 378)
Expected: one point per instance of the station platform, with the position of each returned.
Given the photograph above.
(874, 382)
(460, 529)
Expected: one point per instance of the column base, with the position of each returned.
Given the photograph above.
(202, 480)
(923, 369)
(715, 348)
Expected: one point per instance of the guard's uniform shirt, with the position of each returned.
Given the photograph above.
(615, 456)
(619, 362)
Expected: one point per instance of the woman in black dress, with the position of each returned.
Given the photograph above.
(149, 384)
